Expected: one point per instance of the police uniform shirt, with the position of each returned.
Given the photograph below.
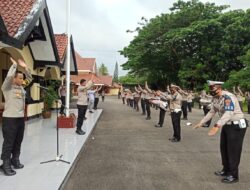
(14, 95)
(175, 101)
(184, 97)
(142, 95)
(190, 97)
(227, 107)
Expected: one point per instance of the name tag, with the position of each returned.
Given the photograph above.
(243, 124)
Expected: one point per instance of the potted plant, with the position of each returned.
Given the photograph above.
(49, 97)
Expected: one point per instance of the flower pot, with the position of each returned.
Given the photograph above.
(46, 114)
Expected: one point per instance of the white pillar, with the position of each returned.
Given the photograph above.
(68, 60)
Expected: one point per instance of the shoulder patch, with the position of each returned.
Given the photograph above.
(228, 103)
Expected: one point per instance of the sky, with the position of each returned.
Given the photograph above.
(99, 27)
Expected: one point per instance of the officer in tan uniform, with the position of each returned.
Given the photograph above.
(148, 95)
(143, 95)
(175, 107)
(233, 130)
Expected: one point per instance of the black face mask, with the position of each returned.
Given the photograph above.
(213, 93)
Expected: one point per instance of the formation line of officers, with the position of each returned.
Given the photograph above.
(231, 121)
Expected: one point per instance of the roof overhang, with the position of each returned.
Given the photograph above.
(73, 65)
(44, 51)
(25, 29)
(36, 32)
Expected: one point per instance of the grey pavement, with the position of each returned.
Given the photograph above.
(126, 152)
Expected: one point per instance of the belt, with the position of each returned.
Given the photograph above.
(233, 123)
(176, 110)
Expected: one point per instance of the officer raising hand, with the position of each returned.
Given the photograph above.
(233, 129)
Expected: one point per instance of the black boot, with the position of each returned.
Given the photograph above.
(16, 163)
(6, 168)
(80, 132)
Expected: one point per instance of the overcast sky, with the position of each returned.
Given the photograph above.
(99, 26)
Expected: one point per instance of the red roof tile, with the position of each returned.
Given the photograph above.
(13, 13)
(76, 78)
(106, 80)
(85, 63)
(61, 44)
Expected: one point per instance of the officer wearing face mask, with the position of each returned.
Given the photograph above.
(233, 129)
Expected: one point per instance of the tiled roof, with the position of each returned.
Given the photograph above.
(116, 85)
(85, 63)
(61, 44)
(13, 13)
(76, 78)
(106, 80)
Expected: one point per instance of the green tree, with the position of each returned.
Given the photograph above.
(130, 79)
(103, 70)
(193, 43)
(116, 73)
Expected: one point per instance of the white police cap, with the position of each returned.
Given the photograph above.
(211, 83)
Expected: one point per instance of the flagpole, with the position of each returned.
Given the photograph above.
(68, 59)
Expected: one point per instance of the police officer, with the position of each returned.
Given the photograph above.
(143, 95)
(206, 101)
(82, 103)
(62, 95)
(184, 104)
(147, 92)
(13, 117)
(175, 107)
(233, 130)
(162, 104)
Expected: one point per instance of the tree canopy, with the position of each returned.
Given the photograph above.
(193, 43)
(103, 70)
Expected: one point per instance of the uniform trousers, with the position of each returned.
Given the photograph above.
(176, 122)
(136, 102)
(189, 105)
(184, 109)
(206, 110)
(123, 100)
(62, 105)
(81, 115)
(96, 103)
(231, 141)
(143, 106)
(91, 104)
(161, 116)
(13, 131)
(148, 107)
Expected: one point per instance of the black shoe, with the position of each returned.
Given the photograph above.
(6, 168)
(16, 163)
(84, 118)
(220, 173)
(80, 132)
(184, 119)
(230, 179)
(158, 125)
(171, 138)
(143, 114)
(175, 140)
(91, 112)
(148, 118)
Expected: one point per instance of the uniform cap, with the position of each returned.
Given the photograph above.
(173, 86)
(212, 83)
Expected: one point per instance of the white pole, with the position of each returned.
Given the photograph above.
(68, 60)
